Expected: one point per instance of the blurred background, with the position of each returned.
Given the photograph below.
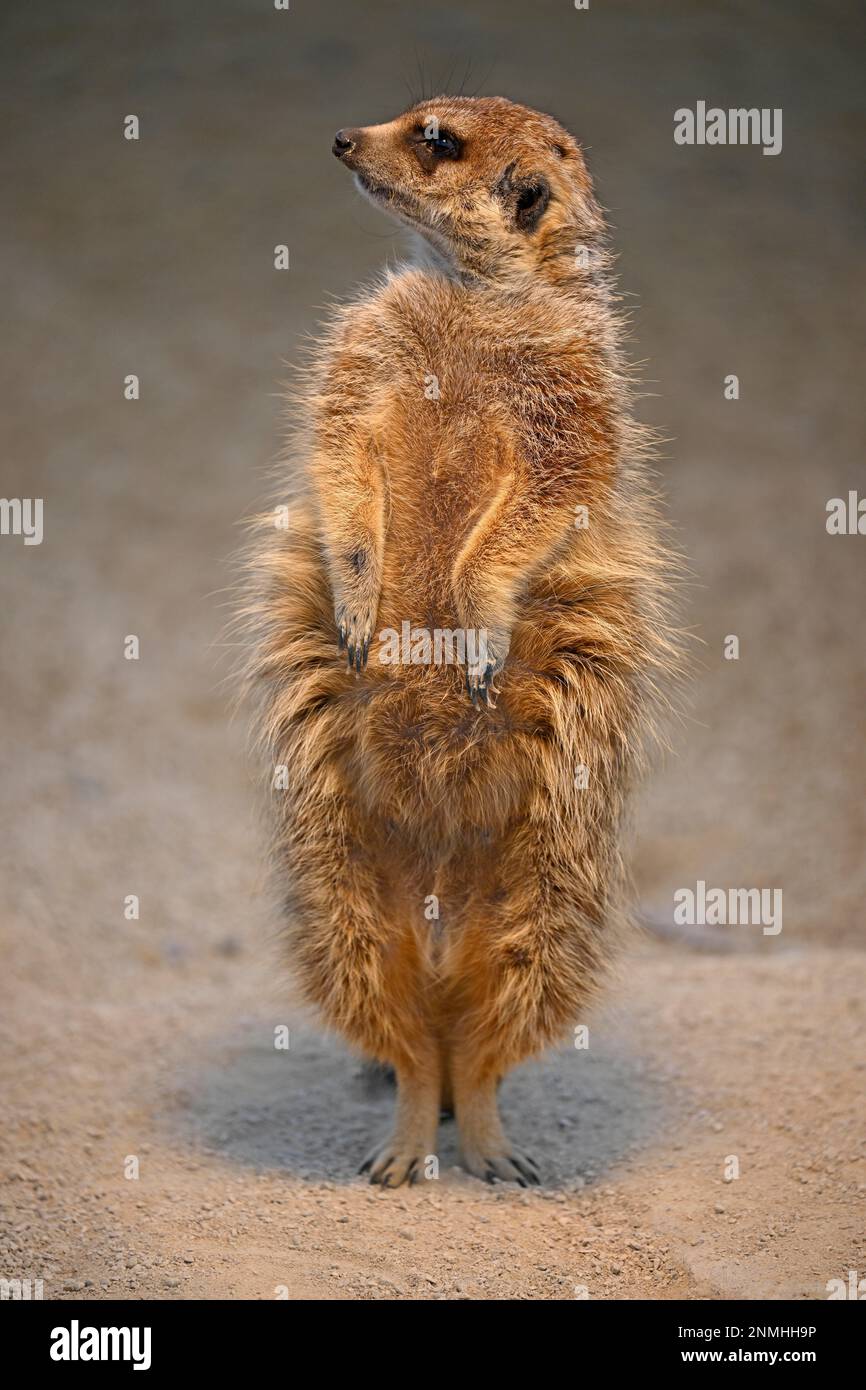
(156, 257)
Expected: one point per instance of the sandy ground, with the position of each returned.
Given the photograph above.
(246, 1154)
(153, 1039)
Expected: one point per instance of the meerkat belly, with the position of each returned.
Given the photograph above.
(418, 735)
(441, 474)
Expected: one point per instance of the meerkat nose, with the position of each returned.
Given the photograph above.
(343, 143)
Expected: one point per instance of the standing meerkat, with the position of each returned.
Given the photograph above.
(448, 831)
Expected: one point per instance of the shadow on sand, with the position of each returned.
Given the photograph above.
(312, 1113)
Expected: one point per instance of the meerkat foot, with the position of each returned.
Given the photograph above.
(390, 1165)
(507, 1165)
(403, 1155)
(485, 1149)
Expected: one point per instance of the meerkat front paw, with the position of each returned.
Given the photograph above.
(483, 666)
(354, 632)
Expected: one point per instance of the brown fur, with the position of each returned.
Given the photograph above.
(459, 512)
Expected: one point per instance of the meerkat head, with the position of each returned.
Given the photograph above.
(500, 191)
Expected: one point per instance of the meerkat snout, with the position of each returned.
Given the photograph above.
(344, 143)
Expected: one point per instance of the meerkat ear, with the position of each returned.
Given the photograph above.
(533, 195)
(526, 198)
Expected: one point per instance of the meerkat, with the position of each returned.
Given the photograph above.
(448, 831)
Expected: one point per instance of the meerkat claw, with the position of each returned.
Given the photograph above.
(526, 1166)
(502, 1167)
(480, 687)
(354, 637)
(392, 1169)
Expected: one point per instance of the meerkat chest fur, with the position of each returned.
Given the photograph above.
(461, 390)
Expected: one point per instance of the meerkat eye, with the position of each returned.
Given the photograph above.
(432, 144)
(444, 145)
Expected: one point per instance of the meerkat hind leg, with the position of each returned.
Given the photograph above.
(485, 1148)
(402, 1155)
